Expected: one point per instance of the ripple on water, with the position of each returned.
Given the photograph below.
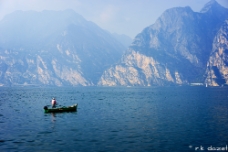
(30, 141)
(18, 142)
(45, 132)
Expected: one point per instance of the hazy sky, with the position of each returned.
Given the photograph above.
(127, 17)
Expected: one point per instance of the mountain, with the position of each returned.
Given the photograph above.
(54, 48)
(175, 50)
(61, 48)
(217, 66)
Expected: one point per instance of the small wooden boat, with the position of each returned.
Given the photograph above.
(61, 109)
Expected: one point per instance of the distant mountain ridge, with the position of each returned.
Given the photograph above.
(54, 48)
(125, 40)
(175, 50)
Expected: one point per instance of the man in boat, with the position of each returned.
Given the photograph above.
(53, 102)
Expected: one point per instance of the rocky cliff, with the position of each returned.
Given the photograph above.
(54, 48)
(175, 50)
(217, 66)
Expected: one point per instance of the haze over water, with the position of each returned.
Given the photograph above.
(115, 119)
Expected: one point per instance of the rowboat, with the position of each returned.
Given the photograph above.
(61, 109)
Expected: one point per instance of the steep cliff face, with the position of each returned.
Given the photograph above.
(217, 66)
(54, 48)
(140, 70)
(25, 68)
(172, 51)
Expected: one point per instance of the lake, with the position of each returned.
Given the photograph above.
(120, 119)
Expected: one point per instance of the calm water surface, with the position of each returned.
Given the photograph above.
(115, 119)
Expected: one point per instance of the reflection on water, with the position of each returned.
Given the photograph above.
(53, 117)
(114, 119)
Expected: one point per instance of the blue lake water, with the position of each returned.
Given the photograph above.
(115, 119)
